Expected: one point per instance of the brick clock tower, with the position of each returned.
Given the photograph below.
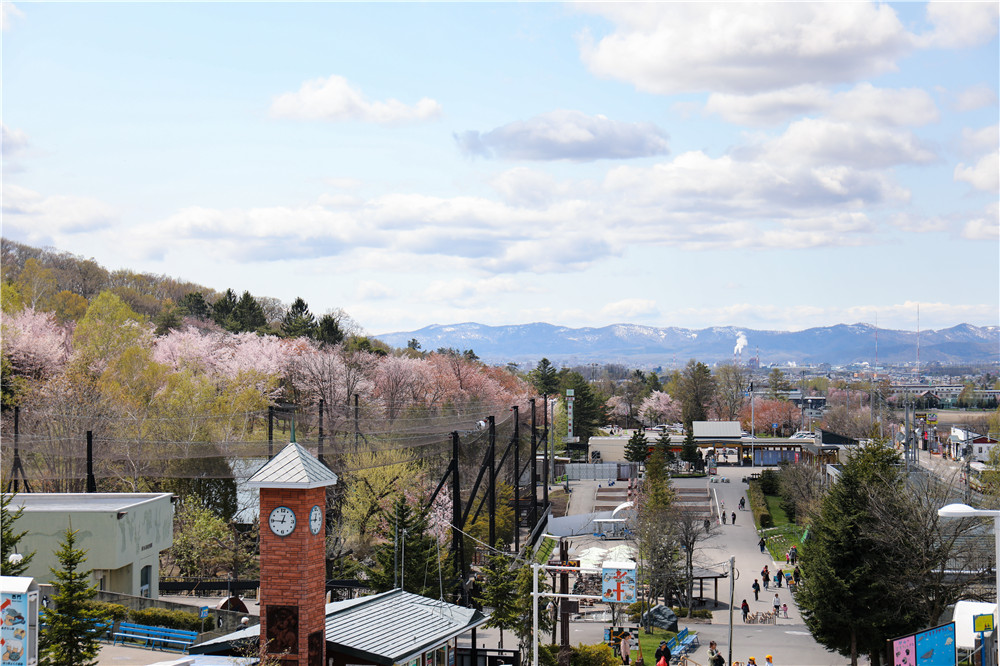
(293, 555)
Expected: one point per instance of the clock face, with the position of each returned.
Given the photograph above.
(316, 520)
(282, 521)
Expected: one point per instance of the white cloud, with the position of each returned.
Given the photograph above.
(13, 140)
(680, 47)
(472, 293)
(630, 309)
(335, 99)
(371, 290)
(8, 13)
(986, 227)
(960, 24)
(814, 141)
(566, 135)
(979, 141)
(913, 223)
(864, 103)
(983, 175)
(522, 186)
(34, 218)
(976, 97)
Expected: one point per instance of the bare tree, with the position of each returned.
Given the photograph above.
(732, 383)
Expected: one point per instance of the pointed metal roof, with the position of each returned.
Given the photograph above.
(293, 467)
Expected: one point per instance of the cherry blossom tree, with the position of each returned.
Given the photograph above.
(34, 344)
(659, 407)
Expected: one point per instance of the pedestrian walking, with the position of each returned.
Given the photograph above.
(715, 657)
(796, 576)
(784, 610)
(780, 576)
(626, 648)
(765, 576)
(723, 517)
(743, 503)
(756, 590)
(794, 554)
(662, 653)
(776, 603)
(745, 607)
(708, 525)
(767, 661)
(762, 543)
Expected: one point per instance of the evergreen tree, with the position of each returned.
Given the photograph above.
(588, 409)
(9, 538)
(544, 378)
(168, 319)
(329, 332)
(193, 304)
(70, 634)
(248, 315)
(689, 450)
(523, 611)
(298, 321)
(846, 600)
(637, 448)
(408, 556)
(223, 310)
(499, 590)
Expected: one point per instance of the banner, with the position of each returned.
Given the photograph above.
(618, 582)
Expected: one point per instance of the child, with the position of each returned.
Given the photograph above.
(784, 610)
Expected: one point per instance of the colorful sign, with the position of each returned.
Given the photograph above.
(934, 647)
(14, 638)
(982, 622)
(618, 582)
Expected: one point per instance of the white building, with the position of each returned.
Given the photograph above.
(123, 534)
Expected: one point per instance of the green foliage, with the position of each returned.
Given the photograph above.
(70, 635)
(701, 613)
(193, 304)
(248, 315)
(523, 622)
(758, 505)
(110, 611)
(498, 590)
(298, 321)
(207, 545)
(544, 378)
(223, 310)
(637, 448)
(9, 538)
(697, 390)
(328, 331)
(418, 559)
(108, 329)
(594, 655)
(689, 450)
(847, 601)
(770, 482)
(168, 319)
(171, 619)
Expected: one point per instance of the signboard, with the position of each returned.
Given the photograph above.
(932, 418)
(569, 412)
(618, 582)
(18, 628)
(982, 622)
(933, 647)
(204, 612)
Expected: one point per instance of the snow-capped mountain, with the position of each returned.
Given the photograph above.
(634, 344)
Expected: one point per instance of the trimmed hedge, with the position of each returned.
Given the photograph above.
(758, 505)
(581, 655)
(109, 611)
(156, 617)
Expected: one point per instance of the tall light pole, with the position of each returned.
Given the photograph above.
(966, 511)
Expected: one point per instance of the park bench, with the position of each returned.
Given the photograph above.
(687, 640)
(155, 637)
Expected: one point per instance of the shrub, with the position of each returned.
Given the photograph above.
(770, 482)
(110, 611)
(635, 610)
(759, 505)
(700, 613)
(172, 619)
(594, 655)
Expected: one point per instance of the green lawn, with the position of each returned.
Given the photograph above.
(650, 642)
(778, 514)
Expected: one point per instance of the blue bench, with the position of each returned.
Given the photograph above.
(155, 637)
(687, 640)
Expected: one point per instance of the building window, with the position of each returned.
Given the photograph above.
(144, 576)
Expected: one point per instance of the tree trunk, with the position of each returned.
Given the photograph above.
(854, 647)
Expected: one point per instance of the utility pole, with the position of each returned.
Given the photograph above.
(517, 482)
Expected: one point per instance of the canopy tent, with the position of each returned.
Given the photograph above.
(965, 637)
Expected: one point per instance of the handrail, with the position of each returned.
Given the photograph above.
(687, 661)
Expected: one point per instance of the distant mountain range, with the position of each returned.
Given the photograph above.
(649, 346)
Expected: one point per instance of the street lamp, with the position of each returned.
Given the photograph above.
(966, 511)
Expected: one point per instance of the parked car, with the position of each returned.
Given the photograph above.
(803, 434)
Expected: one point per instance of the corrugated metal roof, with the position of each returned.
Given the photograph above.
(397, 626)
(293, 467)
(387, 628)
(717, 429)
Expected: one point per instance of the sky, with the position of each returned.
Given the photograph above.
(768, 166)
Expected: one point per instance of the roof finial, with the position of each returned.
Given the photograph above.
(292, 440)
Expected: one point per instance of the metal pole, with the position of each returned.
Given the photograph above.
(534, 613)
(534, 467)
(493, 481)
(320, 446)
(456, 517)
(270, 432)
(564, 588)
(996, 567)
(357, 414)
(517, 483)
(91, 481)
(732, 588)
